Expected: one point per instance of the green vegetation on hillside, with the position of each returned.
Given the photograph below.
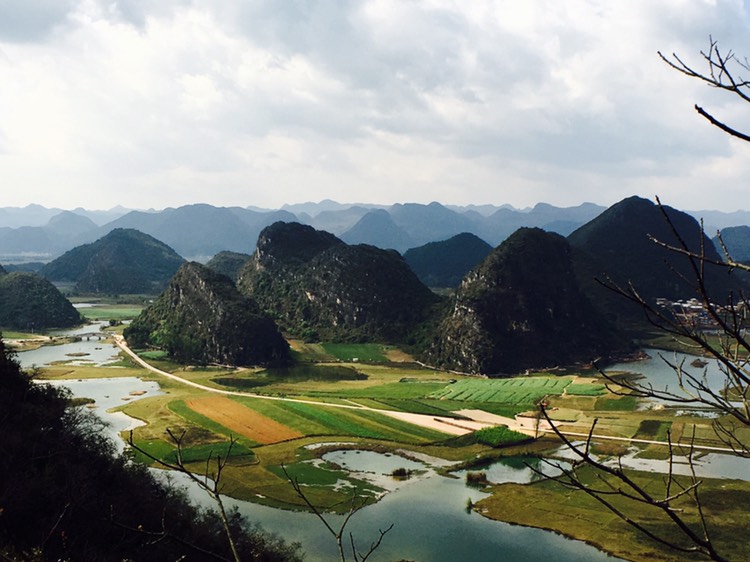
(30, 302)
(125, 261)
(446, 263)
(522, 308)
(319, 288)
(64, 495)
(201, 318)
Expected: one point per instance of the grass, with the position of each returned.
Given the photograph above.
(349, 352)
(620, 404)
(653, 429)
(13, 335)
(120, 369)
(111, 312)
(311, 419)
(499, 436)
(575, 514)
(393, 391)
(586, 389)
(155, 355)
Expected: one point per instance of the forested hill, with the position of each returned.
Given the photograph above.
(619, 245)
(202, 318)
(124, 261)
(445, 263)
(228, 263)
(318, 287)
(31, 302)
(521, 308)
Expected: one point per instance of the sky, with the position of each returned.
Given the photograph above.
(260, 103)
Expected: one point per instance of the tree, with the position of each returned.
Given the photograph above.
(65, 495)
(719, 333)
(724, 72)
(728, 343)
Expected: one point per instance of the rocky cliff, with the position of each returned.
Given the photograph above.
(202, 318)
(318, 287)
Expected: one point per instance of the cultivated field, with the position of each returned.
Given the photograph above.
(241, 420)
(521, 390)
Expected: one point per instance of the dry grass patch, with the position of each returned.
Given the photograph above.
(242, 420)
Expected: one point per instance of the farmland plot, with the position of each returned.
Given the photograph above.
(242, 420)
(522, 391)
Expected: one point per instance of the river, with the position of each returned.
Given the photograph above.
(431, 522)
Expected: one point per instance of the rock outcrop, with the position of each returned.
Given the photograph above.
(202, 318)
(319, 288)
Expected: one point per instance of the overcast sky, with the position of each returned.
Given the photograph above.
(259, 103)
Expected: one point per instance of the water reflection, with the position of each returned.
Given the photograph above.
(711, 465)
(518, 470)
(656, 372)
(110, 393)
(91, 350)
(429, 513)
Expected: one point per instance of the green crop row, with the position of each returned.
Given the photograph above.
(311, 419)
(509, 391)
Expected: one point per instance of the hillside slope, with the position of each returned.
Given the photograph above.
(445, 263)
(202, 318)
(318, 287)
(617, 245)
(124, 261)
(31, 302)
(521, 308)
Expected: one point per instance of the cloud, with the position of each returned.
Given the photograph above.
(32, 20)
(262, 103)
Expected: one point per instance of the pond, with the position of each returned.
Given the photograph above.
(430, 523)
(110, 393)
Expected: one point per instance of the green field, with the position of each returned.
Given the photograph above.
(313, 419)
(520, 391)
(111, 312)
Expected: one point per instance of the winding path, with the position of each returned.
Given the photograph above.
(446, 425)
(476, 419)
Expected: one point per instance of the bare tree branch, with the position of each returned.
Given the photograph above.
(209, 482)
(723, 73)
(338, 535)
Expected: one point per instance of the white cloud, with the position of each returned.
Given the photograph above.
(259, 103)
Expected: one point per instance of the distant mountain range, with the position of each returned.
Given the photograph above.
(530, 302)
(198, 232)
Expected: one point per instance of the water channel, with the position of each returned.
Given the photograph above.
(431, 522)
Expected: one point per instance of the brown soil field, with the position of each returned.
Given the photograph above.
(241, 420)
